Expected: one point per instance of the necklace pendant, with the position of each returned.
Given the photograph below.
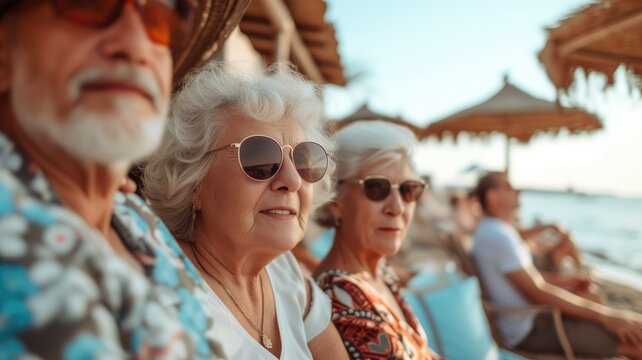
(267, 343)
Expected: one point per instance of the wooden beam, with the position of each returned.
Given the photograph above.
(599, 33)
(289, 39)
(280, 18)
(604, 58)
(305, 60)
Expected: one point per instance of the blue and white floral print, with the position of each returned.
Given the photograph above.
(65, 294)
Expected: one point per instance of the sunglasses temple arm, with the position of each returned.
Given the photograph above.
(235, 145)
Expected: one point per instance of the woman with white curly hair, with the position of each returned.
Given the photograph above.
(377, 190)
(242, 164)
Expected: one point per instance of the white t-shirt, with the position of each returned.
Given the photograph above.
(498, 249)
(289, 291)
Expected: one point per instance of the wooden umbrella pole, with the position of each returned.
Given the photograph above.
(507, 154)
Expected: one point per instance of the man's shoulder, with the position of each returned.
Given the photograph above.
(490, 228)
(26, 219)
(492, 233)
(141, 221)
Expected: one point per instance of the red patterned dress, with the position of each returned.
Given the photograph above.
(370, 329)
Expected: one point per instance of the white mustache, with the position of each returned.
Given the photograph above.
(134, 75)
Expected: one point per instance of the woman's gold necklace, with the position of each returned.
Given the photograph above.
(265, 340)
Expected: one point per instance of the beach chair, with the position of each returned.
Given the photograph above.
(460, 248)
(449, 308)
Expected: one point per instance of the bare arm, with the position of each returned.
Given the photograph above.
(627, 326)
(532, 284)
(571, 282)
(527, 233)
(328, 345)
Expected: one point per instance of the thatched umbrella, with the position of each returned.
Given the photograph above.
(364, 113)
(598, 37)
(516, 114)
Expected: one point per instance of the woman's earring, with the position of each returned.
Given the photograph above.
(337, 222)
(193, 213)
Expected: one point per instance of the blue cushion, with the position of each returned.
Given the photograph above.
(321, 244)
(459, 323)
(507, 355)
(423, 280)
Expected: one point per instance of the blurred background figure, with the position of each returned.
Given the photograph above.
(507, 273)
(463, 213)
(553, 247)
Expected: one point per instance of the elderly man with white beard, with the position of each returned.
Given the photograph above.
(86, 271)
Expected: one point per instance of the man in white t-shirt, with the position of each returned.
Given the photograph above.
(507, 273)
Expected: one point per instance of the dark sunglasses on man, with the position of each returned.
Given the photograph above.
(378, 188)
(167, 22)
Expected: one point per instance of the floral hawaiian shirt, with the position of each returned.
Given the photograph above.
(65, 294)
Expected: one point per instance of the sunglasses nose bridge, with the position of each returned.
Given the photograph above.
(287, 172)
(289, 155)
(291, 152)
(119, 9)
(394, 202)
(129, 19)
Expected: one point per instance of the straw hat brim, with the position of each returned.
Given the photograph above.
(215, 20)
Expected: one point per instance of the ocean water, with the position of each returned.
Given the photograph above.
(608, 230)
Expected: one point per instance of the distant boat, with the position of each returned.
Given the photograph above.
(571, 191)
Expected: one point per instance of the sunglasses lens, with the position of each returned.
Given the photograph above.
(159, 20)
(376, 189)
(260, 157)
(311, 161)
(167, 22)
(88, 13)
(411, 190)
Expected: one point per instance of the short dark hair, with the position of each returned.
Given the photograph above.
(489, 181)
(454, 200)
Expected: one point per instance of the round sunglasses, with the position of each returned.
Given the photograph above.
(261, 158)
(167, 22)
(378, 188)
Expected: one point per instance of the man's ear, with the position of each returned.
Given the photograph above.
(5, 57)
(491, 196)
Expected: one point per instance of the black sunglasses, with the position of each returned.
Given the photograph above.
(261, 158)
(378, 188)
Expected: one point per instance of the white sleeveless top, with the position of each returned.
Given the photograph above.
(290, 298)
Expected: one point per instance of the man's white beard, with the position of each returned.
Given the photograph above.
(113, 139)
(116, 137)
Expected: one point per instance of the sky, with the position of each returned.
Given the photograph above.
(426, 59)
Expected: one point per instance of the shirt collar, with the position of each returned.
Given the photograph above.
(28, 173)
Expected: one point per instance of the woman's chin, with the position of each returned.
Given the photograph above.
(282, 244)
(388, 247)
